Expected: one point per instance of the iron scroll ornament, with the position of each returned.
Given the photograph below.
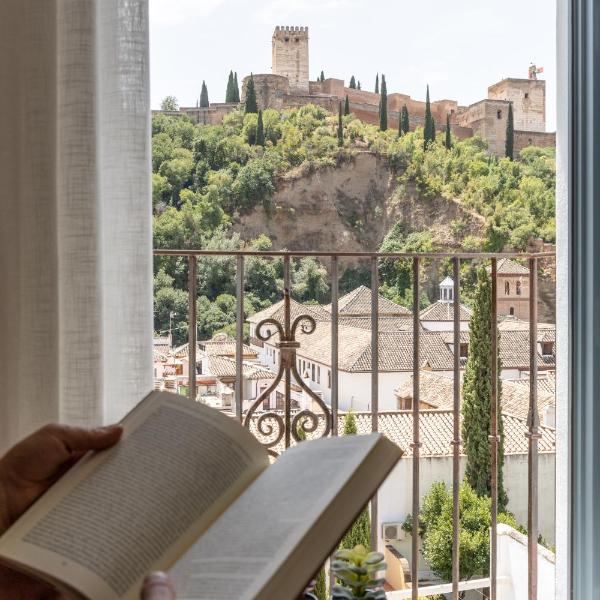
(272, 426)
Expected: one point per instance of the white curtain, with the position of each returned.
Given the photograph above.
(75, 212)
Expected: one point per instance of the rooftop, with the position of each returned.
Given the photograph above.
(444, 311)
(436, 432)
(358, 303)
(437, 391)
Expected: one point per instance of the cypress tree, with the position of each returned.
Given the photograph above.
(477, 392)
(340, 129)
(251, 106)
(405, 120)
(510, 133)
(260, 130)
(347, 106)
(448, 140)
(236, 88)
(427, 129)
(360, 532)
(322, 76)
(352, 83)
(204, 96)
(432, 129)
(383, 105)
(377, 83)
(229, 92)
(358, 85)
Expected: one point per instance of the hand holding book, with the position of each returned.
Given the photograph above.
(190, 490)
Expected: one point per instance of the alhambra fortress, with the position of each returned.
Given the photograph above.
(289, 86)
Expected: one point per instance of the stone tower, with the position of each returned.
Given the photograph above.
(528, 97)
(290, 56)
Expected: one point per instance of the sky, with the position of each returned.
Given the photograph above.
(459, 48)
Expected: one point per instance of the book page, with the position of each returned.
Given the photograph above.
(137, 506)
(305, 490)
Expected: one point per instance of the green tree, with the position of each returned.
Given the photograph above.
(448, 140)
(204, 96)
(360, 532)
(310, 281)
(510, 133)
(477, 396)
(358, 85)
(428, 127)
(236, 88)
(251, 105)
(432, 129)
(377, 83)
(229, 93)
(405, 120)
(340, 128)
(322, 76)
(260, 130)
(352, 83)
(161, 189)
(435, 529)
(383, 105)
(169, 103)
(347, 106)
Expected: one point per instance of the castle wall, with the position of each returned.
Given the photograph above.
(271, 90)
(523, 139)
(488, 119)
(290, 56)
(212, 115)
(529, 101)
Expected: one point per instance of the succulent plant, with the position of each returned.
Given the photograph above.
(355, 571)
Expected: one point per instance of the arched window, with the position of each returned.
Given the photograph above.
(518, 288)
(511, 311)
(507, 288)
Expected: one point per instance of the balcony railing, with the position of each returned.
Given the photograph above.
(276, 428)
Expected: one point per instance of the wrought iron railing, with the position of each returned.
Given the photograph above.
(276, 429)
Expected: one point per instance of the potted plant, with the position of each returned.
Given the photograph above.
(355, 571)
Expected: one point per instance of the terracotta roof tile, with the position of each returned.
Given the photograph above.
(437, 390)
(358, 303)
(444, 311)
(436, 432)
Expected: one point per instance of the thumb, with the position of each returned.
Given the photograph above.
(79, 439)
(158, 586)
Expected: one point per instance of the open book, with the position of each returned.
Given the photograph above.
(190, 491)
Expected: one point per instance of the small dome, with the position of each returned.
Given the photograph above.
(447, 290)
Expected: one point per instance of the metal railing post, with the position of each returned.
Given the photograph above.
(374, 380)
(494, 435)
(416, 444)
(239, 338)
(456, 436)
(192, 341)
(334, 345)
(533, 435)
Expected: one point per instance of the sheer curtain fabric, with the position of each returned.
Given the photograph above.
(75, 212)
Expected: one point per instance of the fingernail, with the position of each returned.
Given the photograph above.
(111, 428)
(157, 577)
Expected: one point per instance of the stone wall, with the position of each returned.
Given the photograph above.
(290, 56)
(528, 97)
(542, 139)
(271, 90)
(488, 119)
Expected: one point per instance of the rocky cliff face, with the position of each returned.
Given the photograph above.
(352, 207)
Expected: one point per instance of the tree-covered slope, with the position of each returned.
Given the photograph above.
(215, 187)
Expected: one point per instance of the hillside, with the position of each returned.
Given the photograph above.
(297, 185)
(352, 207)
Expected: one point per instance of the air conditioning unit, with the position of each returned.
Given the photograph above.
(392, 531)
